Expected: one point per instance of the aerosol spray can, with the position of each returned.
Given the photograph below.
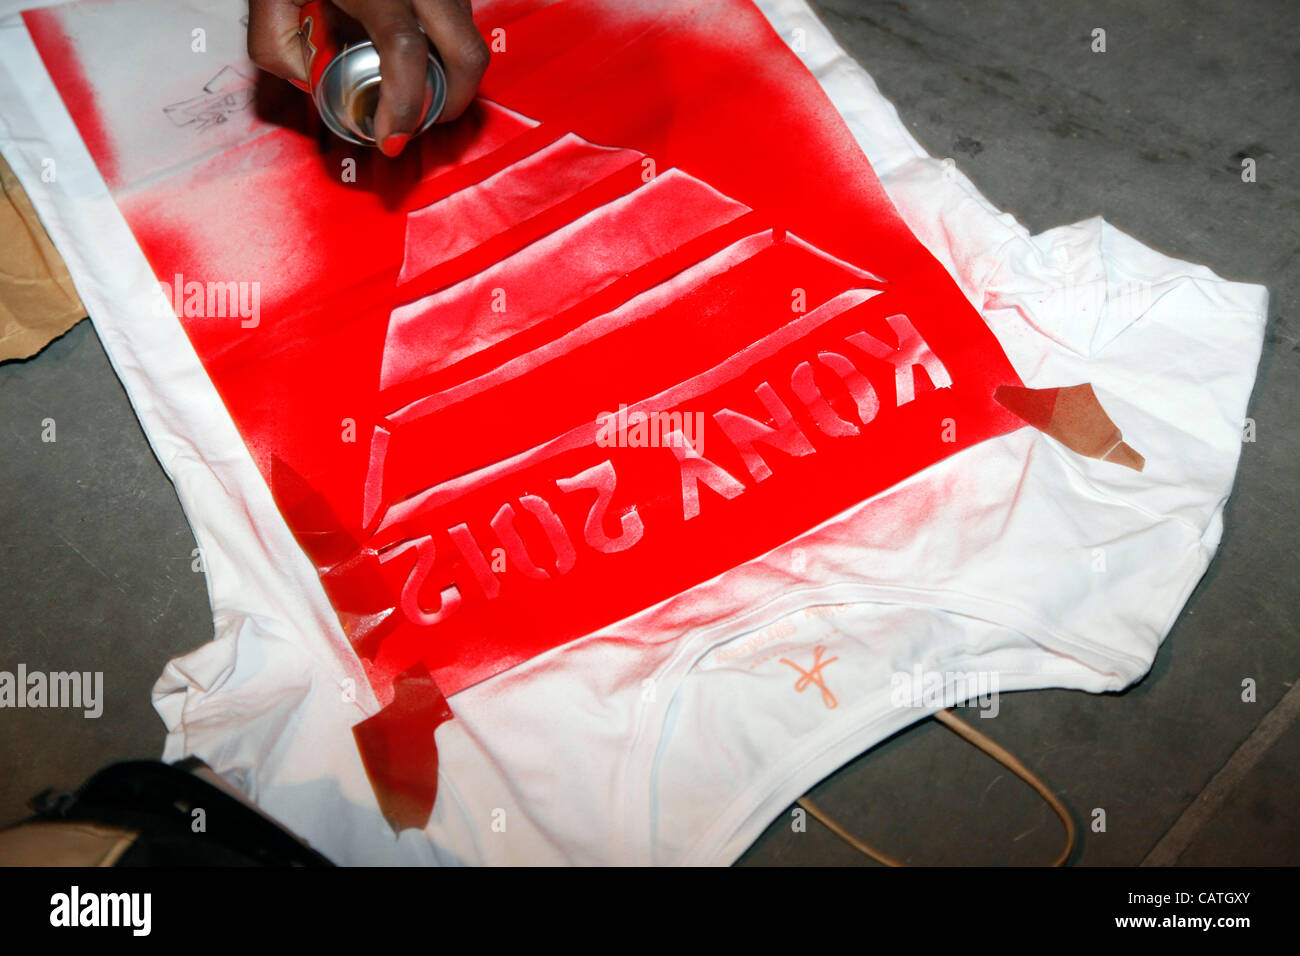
(344, 75)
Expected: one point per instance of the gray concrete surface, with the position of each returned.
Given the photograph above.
(95, 554)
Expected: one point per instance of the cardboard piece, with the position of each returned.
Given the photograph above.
(37, 300)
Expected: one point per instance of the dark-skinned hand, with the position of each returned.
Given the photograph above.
(401, 31)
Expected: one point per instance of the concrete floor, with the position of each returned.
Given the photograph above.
(95, 554)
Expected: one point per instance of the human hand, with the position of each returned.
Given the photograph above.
(395, 27)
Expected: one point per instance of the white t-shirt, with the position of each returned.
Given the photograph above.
(677, 734)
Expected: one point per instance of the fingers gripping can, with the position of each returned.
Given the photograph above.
(344, 76)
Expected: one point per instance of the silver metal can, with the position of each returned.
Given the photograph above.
(348, 93)
(344, 78)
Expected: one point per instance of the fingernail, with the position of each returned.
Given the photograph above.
(301, 84)
(392, 145)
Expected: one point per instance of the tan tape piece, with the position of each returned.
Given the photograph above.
(1074, 417)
